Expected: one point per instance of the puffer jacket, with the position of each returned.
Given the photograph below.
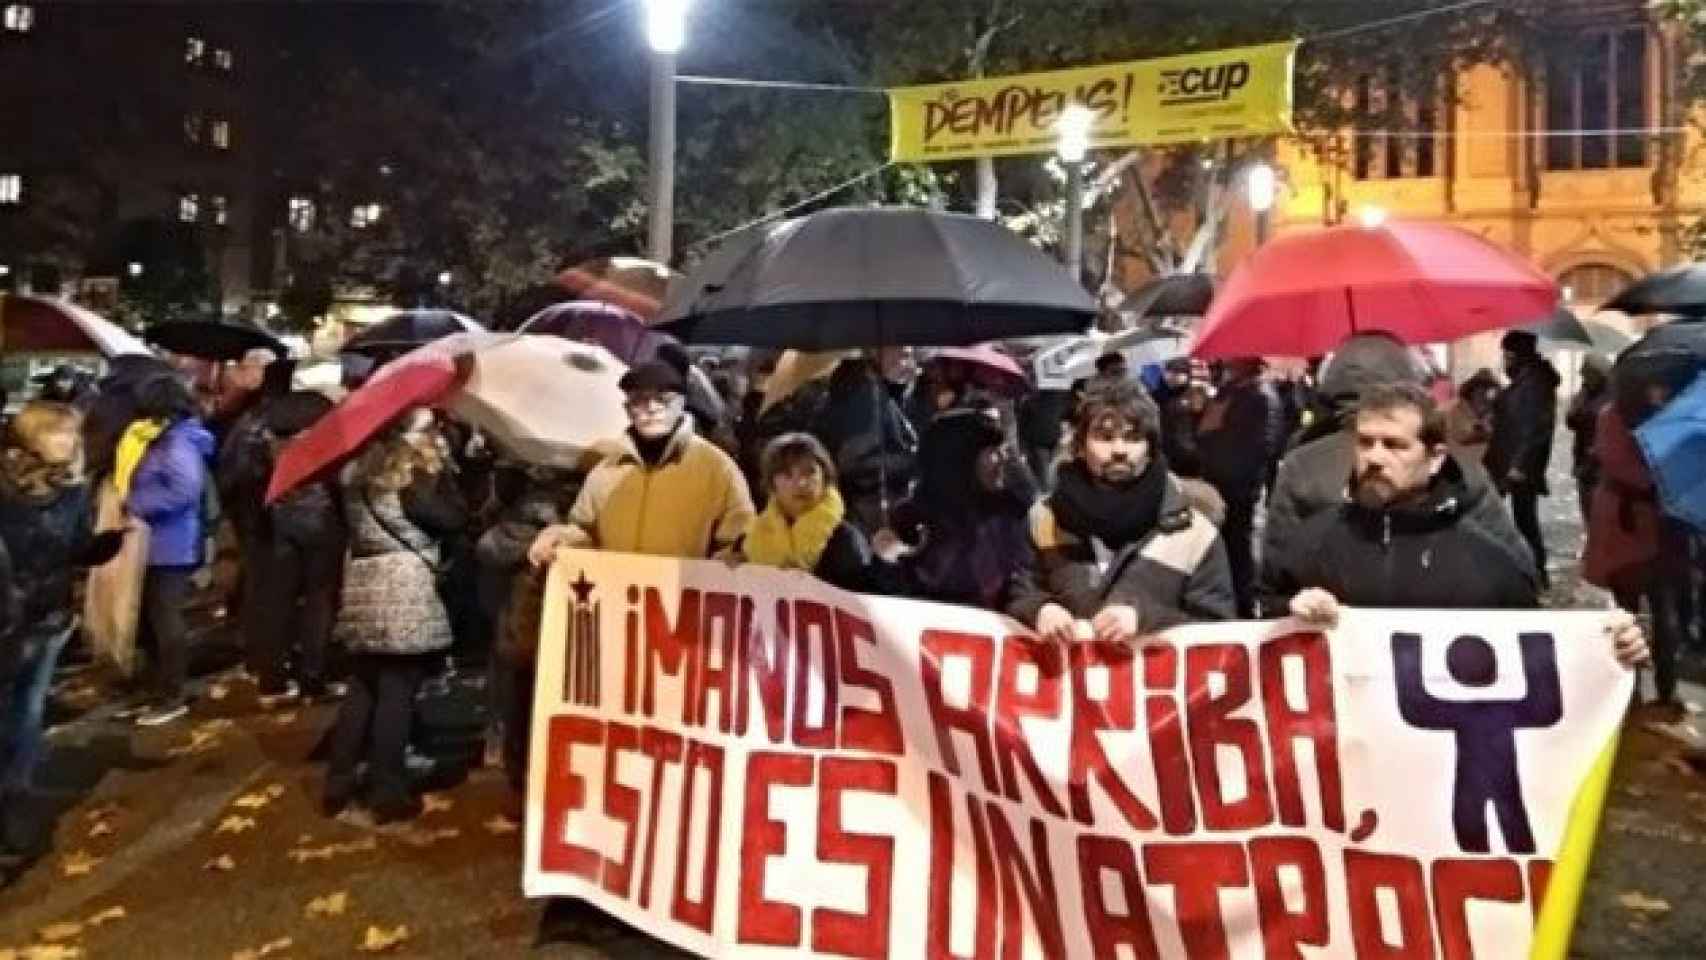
(1431, 554)
(693, 503)
(168, 492)
(391, 603)
(1176, 574)
(1524, 417)
(1315, 478)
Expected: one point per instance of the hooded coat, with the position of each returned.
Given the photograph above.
(1524, 418)
(970, 539)
(167, 492)
(1431, 553)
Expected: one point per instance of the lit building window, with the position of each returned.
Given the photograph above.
(193, 124)
(19, 17)
(189, 208)
(222, 58)
(11, 188)
(301, 214)
(219, 134)
(364, 215)
(220, 207)
(194, 49)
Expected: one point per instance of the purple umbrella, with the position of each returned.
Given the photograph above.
(626, 336)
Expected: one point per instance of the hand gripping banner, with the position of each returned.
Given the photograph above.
(1243, 92)
(749, 763)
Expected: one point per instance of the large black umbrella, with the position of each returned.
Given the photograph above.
(407, 329)
(1564, 329)
(872, 276)
(1174, 295)
(212, 339)
(1670, 356)
(1679, 290)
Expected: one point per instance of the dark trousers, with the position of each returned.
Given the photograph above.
(373, 725)
(1584, 498)
(516, 711)
(296, 570)
(1238, 532)
(165, 590)
(1525, 510)
(251, 594)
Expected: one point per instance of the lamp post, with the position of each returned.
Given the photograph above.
(1259, 181)
(666, 32)
(1073, 129)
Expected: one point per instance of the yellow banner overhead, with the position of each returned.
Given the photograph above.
(1243, 92)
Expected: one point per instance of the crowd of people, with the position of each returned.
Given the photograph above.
(1128, 504)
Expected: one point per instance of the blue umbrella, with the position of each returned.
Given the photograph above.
(1674, 442)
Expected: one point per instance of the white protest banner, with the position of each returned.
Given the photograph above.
(748, 763)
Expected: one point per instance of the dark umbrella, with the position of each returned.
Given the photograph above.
(407, 329)
(1564, 329)
(1679, 290)
(1669, 356)
(212, 339)
(873, 276)
(1175, 295)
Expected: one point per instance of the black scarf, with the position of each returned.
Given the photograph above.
(651, 449)
(1116, 514)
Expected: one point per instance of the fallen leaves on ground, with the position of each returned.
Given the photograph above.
(105, 811)
(285, 719)
(42, 951)
(330, 905)
(264, 950)
(436, 803)
(274, 790)
(378, 939)
(501, 826)
(78, 863)
(100, 829)
(1644, 905)
(59, 932)
(107, 916)
(425, 837)
(200, 741)
(222, 863)
(218, 691)
(330, 850)
(235, 824)
(251, 801)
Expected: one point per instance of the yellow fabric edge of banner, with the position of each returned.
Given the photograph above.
(1569, 871)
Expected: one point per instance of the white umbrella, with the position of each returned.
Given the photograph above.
(29, 323)
(544, 399)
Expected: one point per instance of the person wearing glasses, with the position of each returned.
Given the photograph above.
(662, 490)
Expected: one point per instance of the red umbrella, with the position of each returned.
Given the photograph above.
(627, 282)
(418, 381)
(990, 367)
(1300, 295)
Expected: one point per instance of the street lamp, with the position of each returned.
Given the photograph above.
(1073, 130)
(135, 269)
(444, 278)
(1259, 181)
(666, 31)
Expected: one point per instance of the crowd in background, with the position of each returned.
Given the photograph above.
(1135, 500)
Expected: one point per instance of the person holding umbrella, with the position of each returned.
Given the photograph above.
(663, 490)
(1117, 550)
(871, 439)
(1521, 446)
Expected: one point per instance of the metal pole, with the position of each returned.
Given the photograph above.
(663, 157)
(1074, 254)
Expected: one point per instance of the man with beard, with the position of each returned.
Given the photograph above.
(664, 491)
(1117, 551)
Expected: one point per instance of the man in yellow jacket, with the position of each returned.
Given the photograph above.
(662, 490)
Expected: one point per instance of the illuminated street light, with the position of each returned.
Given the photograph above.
(135, 269)
(666, 31)
(444, 278)
(1073, 130)
(5, 269)
(1372, 217)
(1259, 182)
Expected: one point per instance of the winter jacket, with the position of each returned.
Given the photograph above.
(48, 533)
(391, 602)
(1431, 554)
(1176, 574)
(168, 492)
(244, 467)
(1583, 418)
(1625, 528)
(1240, 431)
(1315, 478)
(1524, 417)
(866, 433)
(847, 562)
(693, 503)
